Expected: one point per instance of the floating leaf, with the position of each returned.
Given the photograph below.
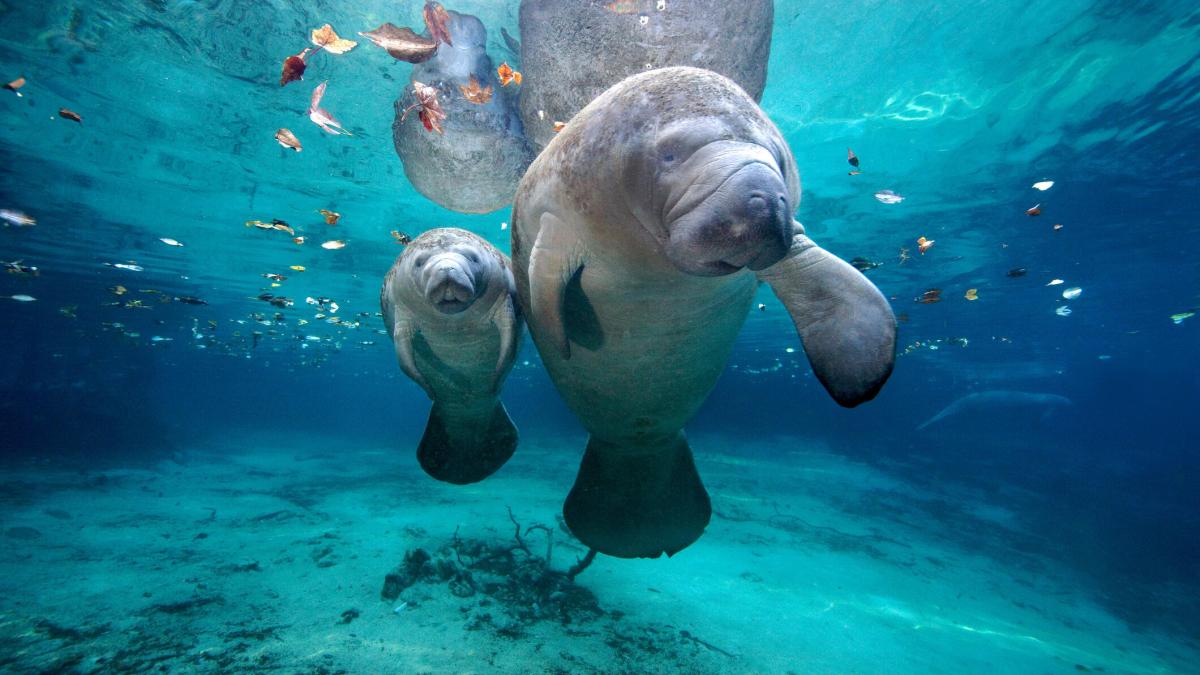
(334, 244)
(429, 110)
(1034, 211)
(17, 218)
(888, 197)
(321, 117)
(1181, 317)
(297, 268)
(293, 67)
(1016, 272)
(558, 126)
(924, 244)
(1043, 185)
(853, 173)
(972, 294)
(70, 115)
(15, 85)
(282, 226)
(402, 43)
(852, 158)
(1057, 227)
(288, 140)
(1072, 292)
(274, 277)
(169, 241)
(21, 297)
(930, 296)
(401, 238)
(297, 240)
(1063, 311)
(437, 20)
(474, 93)
(331, 217)
(1054, 282)
(326, 39)
(507, 74)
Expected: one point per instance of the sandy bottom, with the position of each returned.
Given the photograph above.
(275, 560)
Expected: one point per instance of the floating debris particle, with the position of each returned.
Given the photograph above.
(1072, 292)
(68, 311)
(189, 300)
(888, 197)
(15, 85)
(558, 126)
(401, 238)
(507, 75)
(288, 140)
(297, 268)
(972, 294)
(118, 290)
(1057, 227)
(21, 297)
(1043, 185)
(924, 244)
(1054, 282)
(132, 267)
(429, 110)
(294, 67)
(325, 38)
(1016, 272)
(169, 241)
(274, 277)
(16, 218)
(331, 217)
(852, 158)
(334, 244)
(762, 307)
(20, 269)
(402, 43)
(503, 226)
(1035, 210)
(863, 264)
(1181, 317)
(70, 115)
(1063, 311)
(298, 240)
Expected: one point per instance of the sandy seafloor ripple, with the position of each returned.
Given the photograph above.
(813, 564)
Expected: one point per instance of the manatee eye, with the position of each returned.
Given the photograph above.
(669, 157)
(473, 257)
(421, 259)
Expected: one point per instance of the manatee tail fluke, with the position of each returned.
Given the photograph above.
(637, 502)
(466, 453)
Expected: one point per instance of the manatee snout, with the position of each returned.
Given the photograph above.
(744, 221)
(449, 282)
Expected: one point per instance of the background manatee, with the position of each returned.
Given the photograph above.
(475, 165)
(571, 51)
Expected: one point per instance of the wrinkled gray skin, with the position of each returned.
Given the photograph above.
(571, 51)
(448, 302)
(990, 401)
(639, 237)
(475, 165)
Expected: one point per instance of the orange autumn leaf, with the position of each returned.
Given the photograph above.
(331, 217)
(402, 43)
(437, 20)
(474, 93)
(507, 74)
(559, 126)
(288, 140)
(924, 244)
(326, 39)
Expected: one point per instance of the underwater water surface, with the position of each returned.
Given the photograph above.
(228, 486)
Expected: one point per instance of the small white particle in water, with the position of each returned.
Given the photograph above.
(643, 20)
(1043, 185)
(400, 607)
(790, 350)
(1063, 311)
(541, 114)
(661, 6)
(1072, 293)
(503, 226)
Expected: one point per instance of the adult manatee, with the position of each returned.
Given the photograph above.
(989, 402)
(572, 50)
(475, 165)
(448, 304)
(639, 237)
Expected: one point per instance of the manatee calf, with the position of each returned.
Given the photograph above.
(474, 166)
(990, 401)
(571, 51)
(639, 237)
(448, 302)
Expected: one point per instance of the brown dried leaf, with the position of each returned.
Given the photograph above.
(326, 39)
(437, 20)
(474, 93)
(402, 43)
(331, 217)
(293, 67)
(15, 84)
(288, 140)
(70, 115)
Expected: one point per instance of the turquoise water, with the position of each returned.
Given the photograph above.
(1018, 538)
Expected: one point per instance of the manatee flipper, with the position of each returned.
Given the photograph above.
(637, 502)
(403, 333)
(504, 316)
(466, 451)
(552, 262)
(846, 325)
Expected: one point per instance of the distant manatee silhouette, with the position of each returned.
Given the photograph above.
(988, 401)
